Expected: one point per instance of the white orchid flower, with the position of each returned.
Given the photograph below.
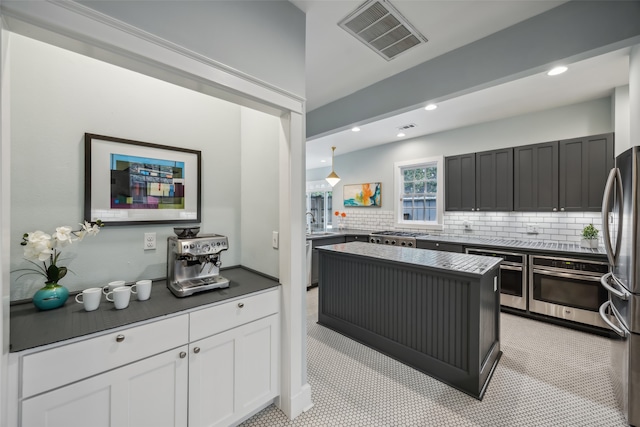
(63, 235)
(89, 229)
(38, 246)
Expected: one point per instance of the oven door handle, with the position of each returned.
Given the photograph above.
(618, 330)
(567, 275)
(509, 267)
(623, 294)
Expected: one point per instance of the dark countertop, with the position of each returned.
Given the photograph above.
(535, 246)
(450, 262)
(31, 328)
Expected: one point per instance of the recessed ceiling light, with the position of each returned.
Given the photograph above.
(431, 107)
(355, 129)
(400, 135)
(323, 161)
(557, 70)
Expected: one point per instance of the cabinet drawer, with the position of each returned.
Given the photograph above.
(213, 320)
(439, 246)
(56, 367)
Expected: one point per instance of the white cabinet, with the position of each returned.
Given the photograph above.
(234, 373)
(213, 366)
(151, 392)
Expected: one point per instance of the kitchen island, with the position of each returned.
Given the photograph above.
(437, 312)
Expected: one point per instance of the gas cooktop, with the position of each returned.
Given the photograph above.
(398, 238)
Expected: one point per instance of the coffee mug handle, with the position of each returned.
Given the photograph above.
(105, 289)
(108, 295)
(79, 301)
(133, 291)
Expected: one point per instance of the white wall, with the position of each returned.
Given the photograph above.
(4, 218)
(57, 97)
(259, 190)
(621, 119)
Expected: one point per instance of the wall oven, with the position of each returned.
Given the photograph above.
(513, 276)
(567, 288)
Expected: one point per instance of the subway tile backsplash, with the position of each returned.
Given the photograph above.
(552, 227)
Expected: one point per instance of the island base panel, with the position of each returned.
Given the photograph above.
(444, 325)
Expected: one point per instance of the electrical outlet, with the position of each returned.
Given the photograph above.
(275, 240)
(467, 225)
(149, 241)
(532, 229)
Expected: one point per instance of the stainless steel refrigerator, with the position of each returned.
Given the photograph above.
(621, 230)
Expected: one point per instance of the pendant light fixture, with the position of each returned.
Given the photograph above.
(333, 178)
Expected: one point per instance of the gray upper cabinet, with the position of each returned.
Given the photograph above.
(562, 176)
(535, 177)
(494, 180)
(584, 166)
(480, 181)
(460, 182)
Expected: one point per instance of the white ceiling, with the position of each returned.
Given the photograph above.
(337, 65)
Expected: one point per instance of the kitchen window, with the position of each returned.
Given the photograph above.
(418, 193)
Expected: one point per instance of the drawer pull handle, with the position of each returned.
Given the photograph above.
(240, 304)
(120, 338)
(196, 350)
(183, 354)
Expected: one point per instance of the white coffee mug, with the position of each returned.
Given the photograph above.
(142, 289)
(90, 298)
(112, 285)
(120, 297)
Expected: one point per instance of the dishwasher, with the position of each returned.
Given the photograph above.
(513, 276)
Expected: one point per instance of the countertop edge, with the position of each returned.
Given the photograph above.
(31, 328)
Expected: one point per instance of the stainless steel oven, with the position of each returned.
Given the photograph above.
(513, 276)
(567, 288)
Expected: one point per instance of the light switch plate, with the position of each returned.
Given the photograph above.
(275, 240)
(149, 241)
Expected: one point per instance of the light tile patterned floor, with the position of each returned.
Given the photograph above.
(548, 376)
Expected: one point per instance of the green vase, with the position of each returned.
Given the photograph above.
(51, 296)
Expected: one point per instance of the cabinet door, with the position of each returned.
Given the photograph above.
(584, 166)
(151, 392)
(536, 177)
(233, 373)
(460, 182)
(494, 180)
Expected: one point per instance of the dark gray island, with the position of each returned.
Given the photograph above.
(438, 312)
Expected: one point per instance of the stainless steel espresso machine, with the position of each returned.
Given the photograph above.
(193, 263)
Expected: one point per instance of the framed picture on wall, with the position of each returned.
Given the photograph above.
(132, 182)
(367, 195)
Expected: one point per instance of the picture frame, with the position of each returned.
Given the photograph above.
(362, 195)
(133, 182)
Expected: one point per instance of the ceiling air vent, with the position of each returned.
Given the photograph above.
(407, 127)
(380, 26)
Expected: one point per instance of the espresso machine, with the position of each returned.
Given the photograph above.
(193, 263)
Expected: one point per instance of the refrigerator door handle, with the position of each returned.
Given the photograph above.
(623, 294)
(613, 179)
(605, 318)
